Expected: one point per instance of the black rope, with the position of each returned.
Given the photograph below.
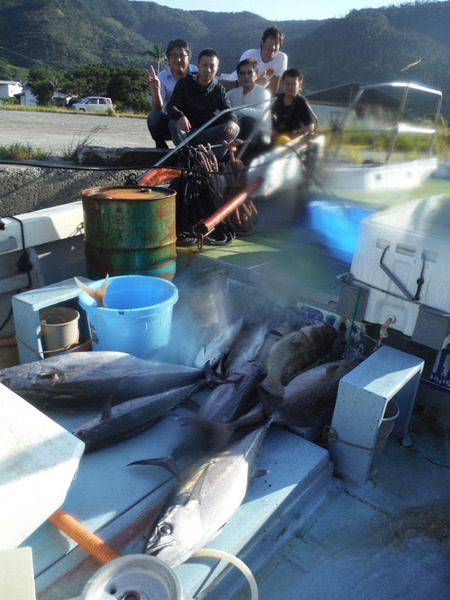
(23, 264)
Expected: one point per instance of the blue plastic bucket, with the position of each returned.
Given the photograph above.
(138, 315)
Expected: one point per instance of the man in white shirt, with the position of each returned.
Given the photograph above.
(254, 118)
(272, 63)
(162, 85)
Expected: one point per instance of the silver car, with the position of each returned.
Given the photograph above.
(94, 104)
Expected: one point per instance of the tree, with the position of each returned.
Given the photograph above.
(158, 55)
(43, 83)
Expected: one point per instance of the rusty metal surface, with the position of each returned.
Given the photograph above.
(126, 235)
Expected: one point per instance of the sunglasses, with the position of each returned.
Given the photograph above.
(246, 72)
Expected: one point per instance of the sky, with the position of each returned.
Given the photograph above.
(282, 10)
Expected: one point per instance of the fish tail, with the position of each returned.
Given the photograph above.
(166, 462)
(102, 292)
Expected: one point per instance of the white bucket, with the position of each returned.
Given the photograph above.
(59, 329)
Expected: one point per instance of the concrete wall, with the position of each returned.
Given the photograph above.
(23, 189)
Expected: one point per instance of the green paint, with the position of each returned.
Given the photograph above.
(125, 237)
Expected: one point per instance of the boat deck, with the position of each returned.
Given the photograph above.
(304, 534)
(387, 539)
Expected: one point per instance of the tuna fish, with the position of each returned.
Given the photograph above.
(307, 399)
(130, 418)
(226, 403)
(207, 497)
(295, 352)
(86, 379)
(220, 345)
(246, 349)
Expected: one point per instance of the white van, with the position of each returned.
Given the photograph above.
(94, 104)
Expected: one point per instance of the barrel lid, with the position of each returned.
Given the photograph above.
(127, 193)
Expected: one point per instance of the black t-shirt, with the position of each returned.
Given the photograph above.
(198, 103)
(293, 117)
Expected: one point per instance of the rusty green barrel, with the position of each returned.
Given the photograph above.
(129, 230)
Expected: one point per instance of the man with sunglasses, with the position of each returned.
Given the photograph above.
(162, 85)
(255, 121)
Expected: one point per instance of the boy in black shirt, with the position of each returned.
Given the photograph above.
(195, 99)
(291, 113)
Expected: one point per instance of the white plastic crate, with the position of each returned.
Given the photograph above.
(414, 236)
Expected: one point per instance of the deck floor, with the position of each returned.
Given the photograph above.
(388, 539)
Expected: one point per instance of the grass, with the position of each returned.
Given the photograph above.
(60, 109)
(71, 151)
(413, 145)
(23, 152)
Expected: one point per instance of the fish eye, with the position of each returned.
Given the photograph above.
(165, 529)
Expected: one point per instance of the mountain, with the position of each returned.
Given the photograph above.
(366, 45)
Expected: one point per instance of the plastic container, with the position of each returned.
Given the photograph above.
(137, 318)
(59, 328)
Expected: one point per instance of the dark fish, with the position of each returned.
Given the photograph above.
(229, 400)
(247, 348)
(130, 418)
(207, 497)
(86, 379)
(308, 398)
(295, 352)
(312, 394)
(226, 403)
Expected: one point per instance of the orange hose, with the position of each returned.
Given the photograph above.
(159, 175)
(83, 536)
(5, 342)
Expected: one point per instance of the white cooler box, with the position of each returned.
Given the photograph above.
(412, 240)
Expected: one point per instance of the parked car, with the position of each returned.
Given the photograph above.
(94, 104)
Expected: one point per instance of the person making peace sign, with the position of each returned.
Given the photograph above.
(162, 85)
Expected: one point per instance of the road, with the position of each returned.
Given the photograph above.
(59, 132)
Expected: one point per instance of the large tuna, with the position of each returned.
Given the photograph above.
(208, 496)
(86, 379)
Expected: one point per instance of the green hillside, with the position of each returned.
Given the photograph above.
(366, 45)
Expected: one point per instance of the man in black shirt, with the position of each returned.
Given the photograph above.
(291, 113)
(195, 99)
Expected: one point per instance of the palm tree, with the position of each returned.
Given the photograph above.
(158, 55)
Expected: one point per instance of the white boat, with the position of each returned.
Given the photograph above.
(383, 175)
(303, 532)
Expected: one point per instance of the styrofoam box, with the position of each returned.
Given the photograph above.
(412, 230)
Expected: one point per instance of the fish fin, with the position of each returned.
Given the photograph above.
(220, 433)
(213, 380)
(86, 288)
(260, 473)
(189, 403)
(54, 375)
(166, 462)
(106, 410)
(267, 398)
(102, 292)
(276, 332)
(196, 493)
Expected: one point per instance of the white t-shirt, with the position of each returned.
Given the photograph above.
(261, 112)
(278, 63)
